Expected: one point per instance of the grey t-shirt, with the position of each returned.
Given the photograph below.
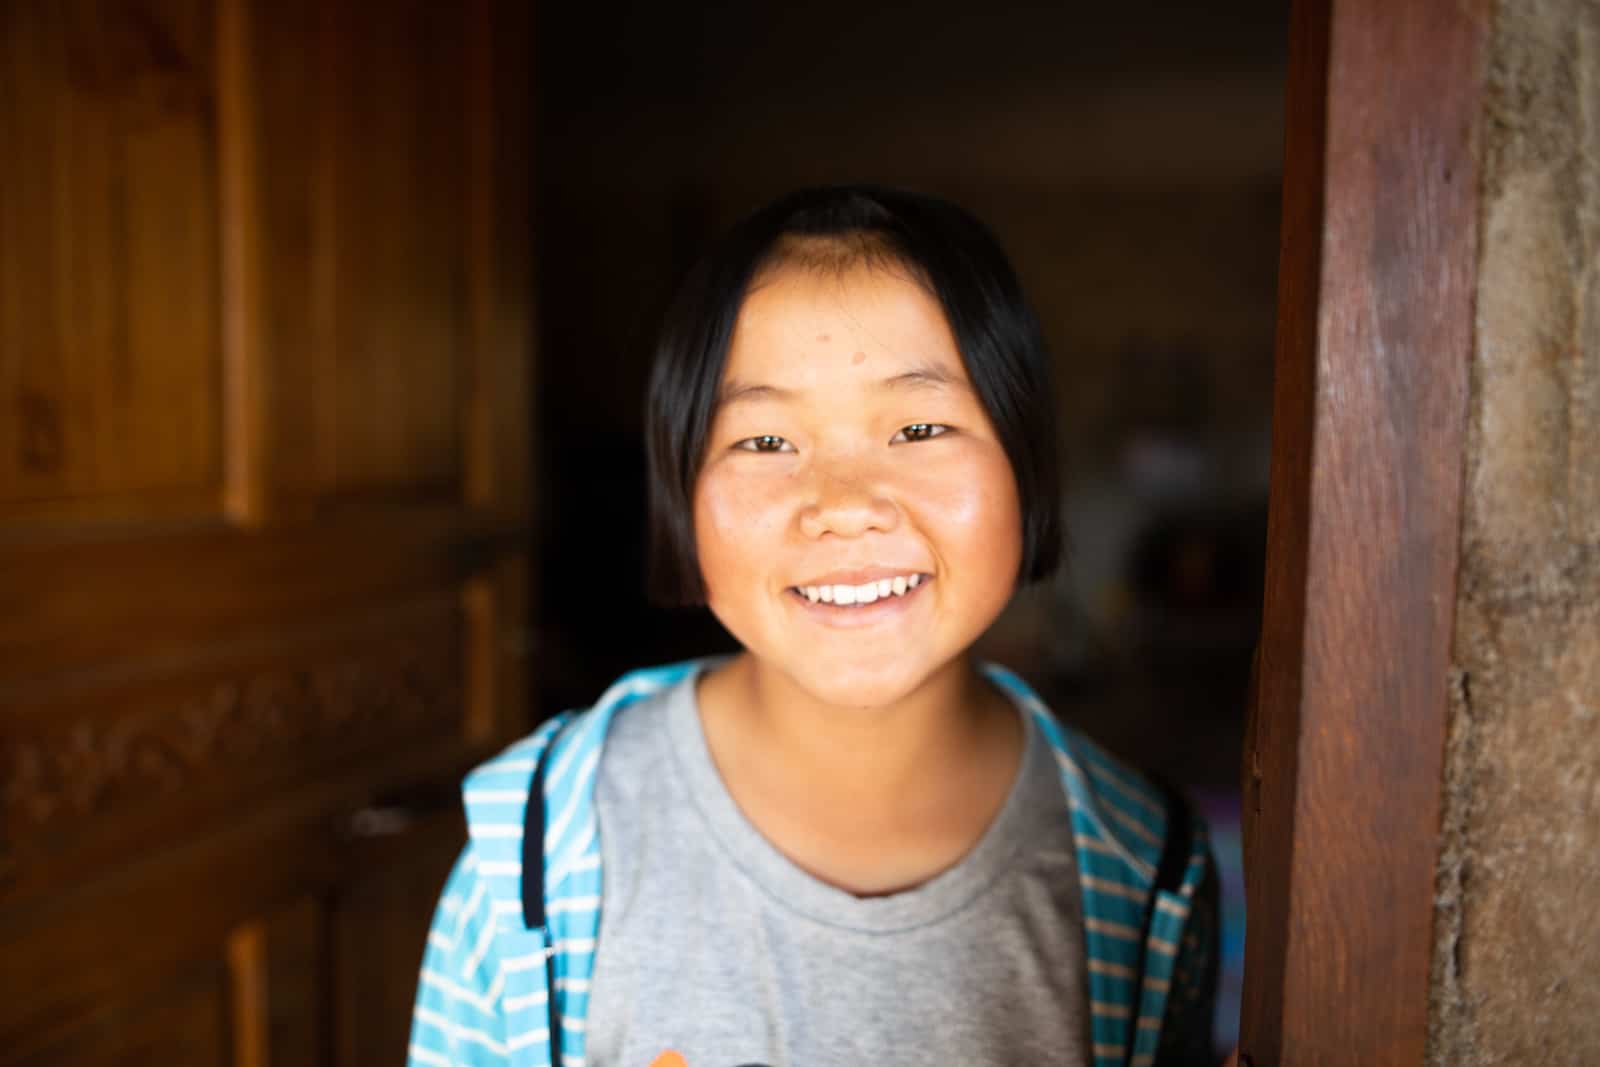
(714, 944)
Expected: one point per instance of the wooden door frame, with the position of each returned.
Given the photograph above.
(1375, 334)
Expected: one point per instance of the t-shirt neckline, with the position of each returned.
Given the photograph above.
(791, 887)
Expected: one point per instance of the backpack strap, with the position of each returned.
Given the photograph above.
(1175, 849)
(534, 916)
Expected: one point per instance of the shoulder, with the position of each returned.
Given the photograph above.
(495, 794)
(1118, 807)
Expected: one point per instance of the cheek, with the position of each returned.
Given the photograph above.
(735, 522)
(975, 505)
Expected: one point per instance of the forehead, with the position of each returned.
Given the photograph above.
(799, 323)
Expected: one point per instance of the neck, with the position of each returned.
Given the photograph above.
(872, 756)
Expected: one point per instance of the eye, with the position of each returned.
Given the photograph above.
(919, 431)
(765, 443)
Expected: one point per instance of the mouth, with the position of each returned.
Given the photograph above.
(857, 595)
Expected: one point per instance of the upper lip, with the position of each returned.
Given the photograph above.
(859, 577)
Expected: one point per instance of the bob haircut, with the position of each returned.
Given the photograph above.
(945, 249)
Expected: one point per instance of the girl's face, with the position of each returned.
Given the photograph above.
(856, 517)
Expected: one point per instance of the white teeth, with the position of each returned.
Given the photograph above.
(865, 593)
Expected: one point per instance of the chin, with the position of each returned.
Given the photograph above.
(860, 685)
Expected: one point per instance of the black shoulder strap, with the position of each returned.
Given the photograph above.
(533, 913)
(533, 903)
(1179, 841)
(1175, 848)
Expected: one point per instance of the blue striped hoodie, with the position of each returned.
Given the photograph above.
(492, 965)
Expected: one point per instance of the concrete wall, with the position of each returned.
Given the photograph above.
(1517, 962)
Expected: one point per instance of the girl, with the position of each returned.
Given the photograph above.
(849, 843)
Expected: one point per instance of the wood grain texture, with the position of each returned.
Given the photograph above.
(91, 971)
(498, 418)
(1375, 332)
(248, 980)
(479, 462)
(108, 260)
(361, 221)
(278, 967)
(244, 370)
(120, 606)
(179, 1018)
(378, 926)
(400, 157)
(97, 776)
(262, 565)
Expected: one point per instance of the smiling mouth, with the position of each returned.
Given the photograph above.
(863, 594)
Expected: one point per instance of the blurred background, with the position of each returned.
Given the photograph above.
(1127, 156)
(324, 330)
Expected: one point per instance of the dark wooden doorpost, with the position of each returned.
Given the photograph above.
(1374, 338)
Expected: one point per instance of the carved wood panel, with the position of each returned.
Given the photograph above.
(111, 769)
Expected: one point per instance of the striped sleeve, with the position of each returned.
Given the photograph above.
(457, 1020)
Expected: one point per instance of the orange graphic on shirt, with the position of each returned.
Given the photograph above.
(670, 1058)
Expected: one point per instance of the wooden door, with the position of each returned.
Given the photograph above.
(264, 385)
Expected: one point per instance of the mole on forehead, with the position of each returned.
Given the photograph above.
(858, 359)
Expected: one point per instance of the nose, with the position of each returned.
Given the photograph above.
(846, 504)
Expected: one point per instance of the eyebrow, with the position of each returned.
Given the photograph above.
(734, 391)
(925, 376)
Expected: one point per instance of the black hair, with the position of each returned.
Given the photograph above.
(949, 252)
